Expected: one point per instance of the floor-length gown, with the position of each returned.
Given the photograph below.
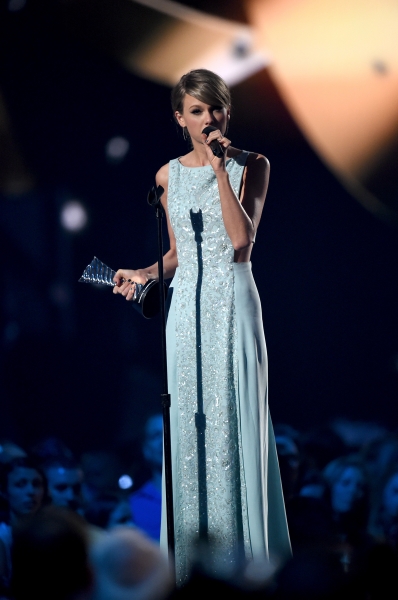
(226, 479)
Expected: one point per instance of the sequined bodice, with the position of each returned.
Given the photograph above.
(195, 211)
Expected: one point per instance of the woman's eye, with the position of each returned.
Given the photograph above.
(196, 111)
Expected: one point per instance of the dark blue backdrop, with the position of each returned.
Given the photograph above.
(80, 363)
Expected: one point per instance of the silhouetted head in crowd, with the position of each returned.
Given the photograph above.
(348, 491)
(9, 450)
(381, 456)
(51, 448)
(129, 566)
(320, 446)
(50, 557)
(108, 510)
(384, 519)
(289, 458)
(152, 447)
(65, 478)
(101, 470)
(347, 482)
(313, 575)
(23, 486)
(311, 523)
(390, 496)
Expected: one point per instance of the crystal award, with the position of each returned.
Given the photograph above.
(146, 296)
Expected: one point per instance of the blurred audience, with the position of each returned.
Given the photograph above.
(286, 439)
(23, 489)
(384, 518)
(65, 478)
(342, 511)
(102, 470)
(348, 493)
(146, 502)
(9, 450)
(129, 566)
(50, 557)
(50, 448)
(109, 510)
(348, 490)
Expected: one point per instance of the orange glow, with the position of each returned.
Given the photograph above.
(190, 39)
(336, 64)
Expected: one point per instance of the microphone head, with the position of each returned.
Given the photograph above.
(209, 129)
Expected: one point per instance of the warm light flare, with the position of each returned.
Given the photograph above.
(336, 64)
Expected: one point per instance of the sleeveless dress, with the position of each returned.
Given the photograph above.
(226, 480)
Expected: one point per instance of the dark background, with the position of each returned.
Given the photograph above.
(78, 362)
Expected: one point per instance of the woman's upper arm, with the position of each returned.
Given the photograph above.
(162, 178)
(255, 185)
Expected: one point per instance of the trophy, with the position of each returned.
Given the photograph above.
(146, 296)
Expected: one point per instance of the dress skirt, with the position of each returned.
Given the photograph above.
(262, 501)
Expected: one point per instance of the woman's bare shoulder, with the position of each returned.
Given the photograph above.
(162, 176)
(258, 160)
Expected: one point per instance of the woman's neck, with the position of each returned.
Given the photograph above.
(197, 157)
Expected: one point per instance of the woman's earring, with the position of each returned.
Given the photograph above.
(185, 133)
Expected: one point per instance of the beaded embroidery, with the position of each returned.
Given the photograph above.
(210, 486)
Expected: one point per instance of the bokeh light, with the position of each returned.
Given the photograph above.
(116, 148)
(73, 216)
(125, 482)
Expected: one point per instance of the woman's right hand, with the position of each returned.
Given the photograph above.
(126, 279)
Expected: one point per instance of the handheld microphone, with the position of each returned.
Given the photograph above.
(214, 145)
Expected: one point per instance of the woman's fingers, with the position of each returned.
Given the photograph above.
(130, 292)
(126, 289)
(125, 282)
(217, 135)
(123, 275)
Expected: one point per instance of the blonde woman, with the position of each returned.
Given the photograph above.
(225, 472)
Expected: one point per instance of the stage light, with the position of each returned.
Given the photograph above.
(335, 64)
(191, 39)
(116, 148)
(125, 482)
(73, 216)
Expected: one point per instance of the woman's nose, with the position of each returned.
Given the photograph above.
(209, 118)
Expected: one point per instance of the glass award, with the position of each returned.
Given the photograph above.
(146, 296)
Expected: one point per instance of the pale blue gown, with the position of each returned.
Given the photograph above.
(226, 479)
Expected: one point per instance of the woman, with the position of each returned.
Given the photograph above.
(23, 490)
(225, 472)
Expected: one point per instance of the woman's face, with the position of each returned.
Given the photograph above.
(25, 491)
(390, 496)
(347, 489)
(197, 115)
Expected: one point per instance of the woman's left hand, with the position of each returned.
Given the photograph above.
(217, 163)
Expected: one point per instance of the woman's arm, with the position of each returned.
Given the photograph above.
(241, 215)
(125, 277)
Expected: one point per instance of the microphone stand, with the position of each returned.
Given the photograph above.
(154, 196)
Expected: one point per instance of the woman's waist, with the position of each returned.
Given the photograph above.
(212, 270)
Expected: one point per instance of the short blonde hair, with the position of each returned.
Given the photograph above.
(203, 85)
